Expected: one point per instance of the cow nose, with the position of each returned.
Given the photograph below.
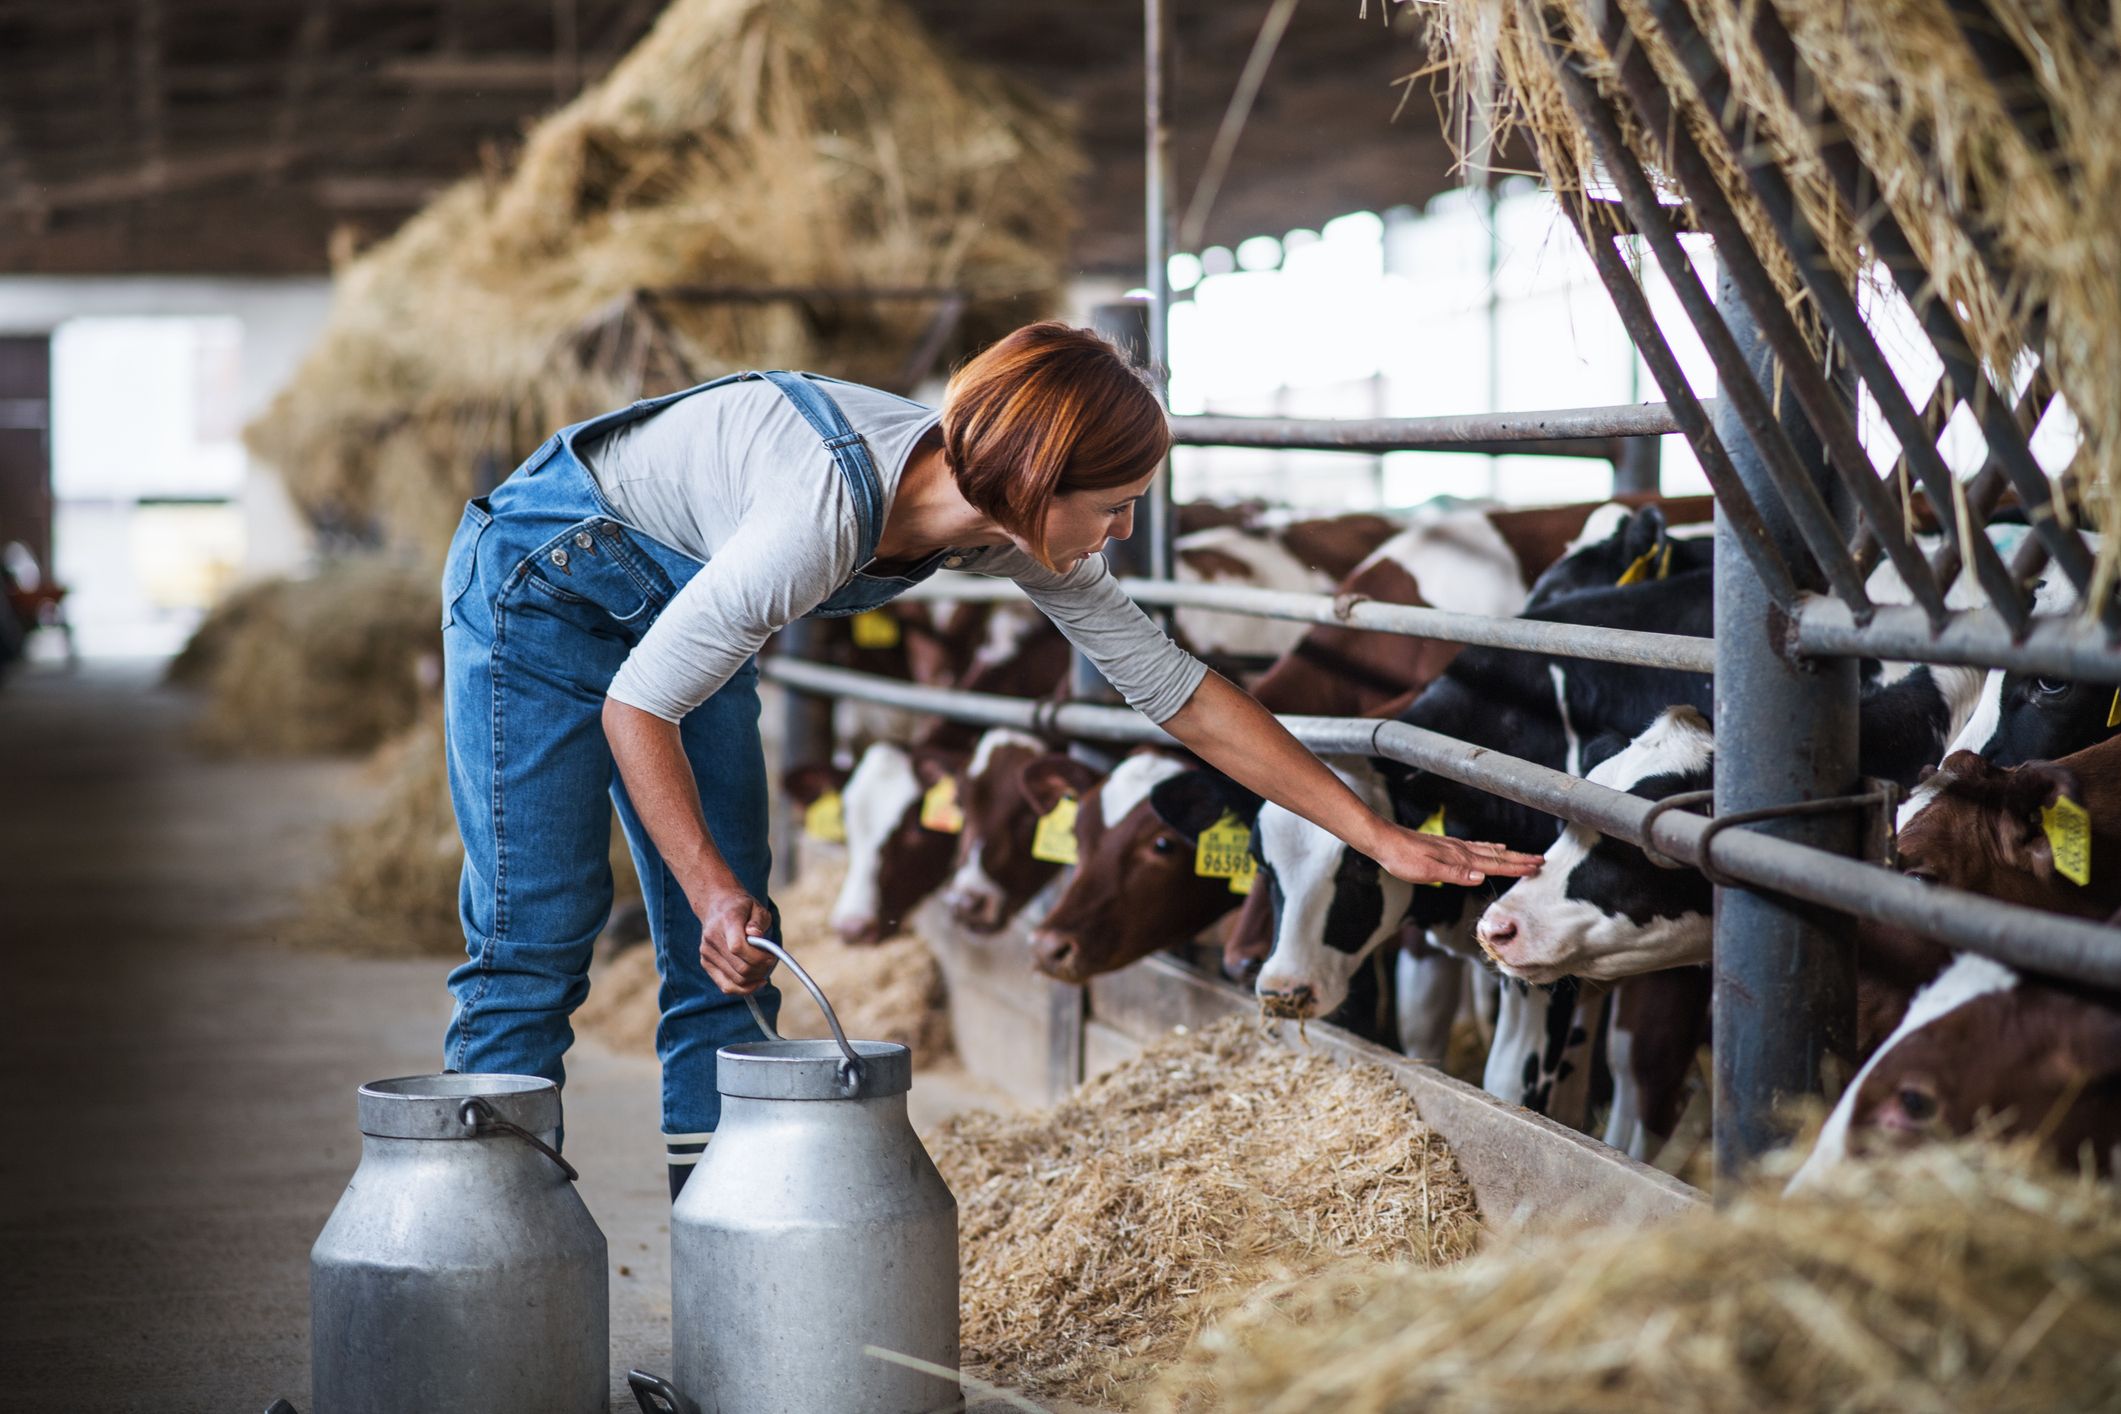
(977, 911)
(1055, 954)
(1497, 933)
(857, 932)
(1299, 1000)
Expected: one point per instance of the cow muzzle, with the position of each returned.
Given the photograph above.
(977, 909)
(857, 931)
(1058, 955)
(1299, 1002)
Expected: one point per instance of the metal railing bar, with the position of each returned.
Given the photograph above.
(1822, 404)
(1679, 652)
(1808, 510)
(2023, 937)
(1694, 416)
(1992, 410)
(1560, 431)
(2054, 645)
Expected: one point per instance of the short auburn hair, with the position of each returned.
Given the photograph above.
(1047, 410)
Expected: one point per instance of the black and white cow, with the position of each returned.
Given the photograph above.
(1333, 906)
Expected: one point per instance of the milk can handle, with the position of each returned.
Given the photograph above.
(851, 1067)
(478, 1117)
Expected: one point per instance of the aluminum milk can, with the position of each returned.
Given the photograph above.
(815, 1226)
(460, 1271)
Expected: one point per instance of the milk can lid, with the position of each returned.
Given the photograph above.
(811, 1070)
(431, 1106)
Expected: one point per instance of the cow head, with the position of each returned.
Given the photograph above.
(1332, 905)
(893, 861)
(1599, 908)
(1134, 889)
(1619, 545)
(996, 874)
(1978, 827)
(1984, 1046)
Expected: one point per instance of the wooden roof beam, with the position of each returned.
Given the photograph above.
(516, 73)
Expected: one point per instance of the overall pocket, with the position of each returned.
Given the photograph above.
(461, 567)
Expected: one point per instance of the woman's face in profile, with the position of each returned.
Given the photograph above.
(1080, 522)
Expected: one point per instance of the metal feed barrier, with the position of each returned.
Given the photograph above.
(1802, 517)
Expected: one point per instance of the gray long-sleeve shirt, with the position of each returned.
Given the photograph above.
(736, 478)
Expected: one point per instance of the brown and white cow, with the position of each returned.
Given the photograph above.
(996, 871)
(893, 860)
(1980, 826)
(1134, 889)
(1985, 1047)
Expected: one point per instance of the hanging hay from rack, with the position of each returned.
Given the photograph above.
(1099, 1235)
(2010, 200)
(743, 144)
(1948, 1278)
(892, 991)
(339, 661)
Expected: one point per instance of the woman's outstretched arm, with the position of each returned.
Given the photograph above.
(1224, 726)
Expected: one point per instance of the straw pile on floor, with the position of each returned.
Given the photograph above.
(1099, 1235)
(890, 992)
(339, 661)
(743, 144)
(2038, 188)
(1948, 1278)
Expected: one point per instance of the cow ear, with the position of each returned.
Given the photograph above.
(1643, 534)
(1054, 776)
(2021, 833)
(807, 783)
(932, 763)
(1193, 800)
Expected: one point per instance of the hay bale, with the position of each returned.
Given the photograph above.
(1946, 1278)
(1099, 1235)
(1954, 163)
(339, 661)
(743, 143)
(890, 992)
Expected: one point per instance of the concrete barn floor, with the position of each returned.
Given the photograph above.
(179, 1082)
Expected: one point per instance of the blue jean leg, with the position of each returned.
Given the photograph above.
(528, 654)
(721, 739)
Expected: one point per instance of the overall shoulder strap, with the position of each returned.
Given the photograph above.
(849, 453)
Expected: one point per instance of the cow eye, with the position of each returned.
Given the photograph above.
(1917, 1104)
(2052, 687)
(1164, 844)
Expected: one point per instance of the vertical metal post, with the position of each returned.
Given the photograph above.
(1637, 468)
(1785, 731)
(806, 737)
(1157, 76)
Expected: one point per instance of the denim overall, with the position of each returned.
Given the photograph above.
(544, 593)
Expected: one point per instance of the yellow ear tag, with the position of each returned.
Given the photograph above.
(939, 810)
(1434, 824)
(1054, 840)
(1242, 883)
(2113, 713)
(1224, 850)
(2069, 833)
(1639, 570)
(873, 628)
(823, 820)
(1664, 561)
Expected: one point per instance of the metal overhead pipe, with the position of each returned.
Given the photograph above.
(1817, 529)
(1992, 409)
(2021, 937)
(1826, 412)
(2068, 646)
(1559, 432)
